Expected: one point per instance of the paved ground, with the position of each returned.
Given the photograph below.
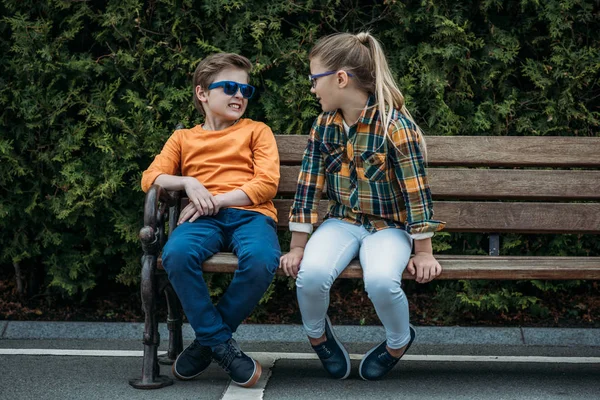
(465, 363)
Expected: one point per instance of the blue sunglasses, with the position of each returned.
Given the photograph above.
(231, 88)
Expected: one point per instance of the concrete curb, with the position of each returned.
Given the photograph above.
(571, 337)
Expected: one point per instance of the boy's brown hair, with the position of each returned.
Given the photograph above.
(211, 66)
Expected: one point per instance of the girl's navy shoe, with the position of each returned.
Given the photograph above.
(378, 361)
(333, 355)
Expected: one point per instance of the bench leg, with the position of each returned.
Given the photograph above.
(174, 323)
(151, 378)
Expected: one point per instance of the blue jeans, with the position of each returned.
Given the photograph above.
(253, 238)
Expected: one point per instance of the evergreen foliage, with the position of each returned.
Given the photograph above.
(91, 90)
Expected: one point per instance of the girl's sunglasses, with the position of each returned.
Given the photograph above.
(313, 78)
(231, 88)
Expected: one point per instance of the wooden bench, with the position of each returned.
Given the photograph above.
(494, 185)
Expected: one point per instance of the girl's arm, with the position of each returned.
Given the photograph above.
(410, 172)
(304, 210)
(423, 264)
(310, 181)
(290, 263)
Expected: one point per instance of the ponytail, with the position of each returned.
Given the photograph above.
(387, 93)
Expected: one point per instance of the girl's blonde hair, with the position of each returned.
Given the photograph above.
(363, 57)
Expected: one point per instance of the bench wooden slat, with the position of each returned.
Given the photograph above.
(469, 267)
(468, 183)
(516, 217)
(500, 151)
(464, 183)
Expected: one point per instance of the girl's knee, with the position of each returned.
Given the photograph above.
(314, 278)
(382, 288)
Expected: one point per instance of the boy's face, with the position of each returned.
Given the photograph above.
(219, 105)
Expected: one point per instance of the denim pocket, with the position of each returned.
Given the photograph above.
(334, 156)
(374, 165)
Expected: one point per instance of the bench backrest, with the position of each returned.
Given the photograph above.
(519, 184)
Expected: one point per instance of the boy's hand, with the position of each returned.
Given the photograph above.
(189, 213)
(426, 267)
(200, 197)
(290, 263)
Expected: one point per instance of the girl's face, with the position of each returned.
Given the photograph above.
(326, 87)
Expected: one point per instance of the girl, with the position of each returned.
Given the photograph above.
(368, 149)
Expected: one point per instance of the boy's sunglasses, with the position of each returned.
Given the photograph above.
(313, 78)
(231, 88)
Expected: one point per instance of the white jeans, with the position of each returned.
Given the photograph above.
(383, 256)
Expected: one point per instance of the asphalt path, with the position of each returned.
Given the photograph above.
(96, 361)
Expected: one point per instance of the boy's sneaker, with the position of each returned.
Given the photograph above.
(333, 355)
(192, 361)
(242, 369)
(378, 361)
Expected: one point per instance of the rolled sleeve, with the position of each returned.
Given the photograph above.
(421, 236)
(301, 227)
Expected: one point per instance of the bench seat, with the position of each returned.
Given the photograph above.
(482, 184)
(466, 267)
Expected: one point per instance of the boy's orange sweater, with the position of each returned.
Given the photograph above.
(243, 156)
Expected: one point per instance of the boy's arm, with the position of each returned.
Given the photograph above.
(168, 162)
(263, 186)
(172, 182)
(235, 198)
(165, 171)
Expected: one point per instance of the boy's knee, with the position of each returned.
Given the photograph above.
(177, 257)
(261, 260)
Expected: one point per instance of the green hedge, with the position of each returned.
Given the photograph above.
(90, 91)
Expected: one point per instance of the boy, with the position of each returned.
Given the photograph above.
(229, 168)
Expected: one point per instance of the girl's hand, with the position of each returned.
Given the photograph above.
(290, 263)
(425, 266)
(200, 197)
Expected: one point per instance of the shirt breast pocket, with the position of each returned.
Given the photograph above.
(334, 156)
(374, 165)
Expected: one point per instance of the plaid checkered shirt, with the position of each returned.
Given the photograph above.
(369, 181)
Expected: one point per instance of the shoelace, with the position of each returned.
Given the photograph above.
(230, 355)
(323, 351)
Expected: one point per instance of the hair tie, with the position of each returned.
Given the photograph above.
(363, 37)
